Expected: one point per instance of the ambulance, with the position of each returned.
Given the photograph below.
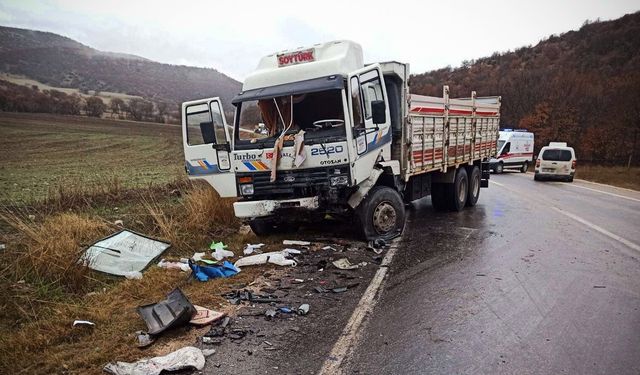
(515, 151)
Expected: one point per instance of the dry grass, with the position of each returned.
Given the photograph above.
(617, 176)
(43, 289)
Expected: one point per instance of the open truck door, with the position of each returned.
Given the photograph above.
(370, 120)
(207, 146)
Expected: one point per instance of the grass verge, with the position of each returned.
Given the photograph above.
(617, 176)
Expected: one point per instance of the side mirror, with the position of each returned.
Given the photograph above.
(378, 112)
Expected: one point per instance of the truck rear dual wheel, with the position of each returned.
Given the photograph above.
(474, 185)
(453, 197)
(381, 214)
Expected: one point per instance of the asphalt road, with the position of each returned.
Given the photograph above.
(538, 278)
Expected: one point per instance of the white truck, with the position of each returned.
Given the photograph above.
(343, 138)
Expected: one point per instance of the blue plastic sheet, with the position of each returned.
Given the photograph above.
(204, 273)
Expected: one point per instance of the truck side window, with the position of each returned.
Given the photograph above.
(199, 125)
(371, 90)
(356, 103)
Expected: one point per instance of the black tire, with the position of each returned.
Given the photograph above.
(570, 179)
(536, 177)
(525, 167)
(381, 214)
(439, 197)
(499, 168)
(473, 190)
(458, 191)
(261, 227)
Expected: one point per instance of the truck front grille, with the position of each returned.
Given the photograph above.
(288, 181)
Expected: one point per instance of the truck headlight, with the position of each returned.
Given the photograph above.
(246, 189)
(339, 180)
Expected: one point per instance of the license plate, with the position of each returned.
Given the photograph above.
(548, 170)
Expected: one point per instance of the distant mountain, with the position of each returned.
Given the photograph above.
(62, 62)
(581, 86)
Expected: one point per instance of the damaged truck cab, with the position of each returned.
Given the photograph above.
(316, 131)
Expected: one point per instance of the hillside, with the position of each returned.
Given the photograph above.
(62, 62)
(581, 86)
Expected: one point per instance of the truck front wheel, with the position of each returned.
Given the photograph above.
(261, 227)
(381, 214)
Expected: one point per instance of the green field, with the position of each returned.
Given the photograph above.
(40, 152)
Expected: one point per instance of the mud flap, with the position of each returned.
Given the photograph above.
(485, 169)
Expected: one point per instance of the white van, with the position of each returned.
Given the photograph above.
(515, 150)
(556, 161)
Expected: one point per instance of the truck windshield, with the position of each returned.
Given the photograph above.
(266, 118)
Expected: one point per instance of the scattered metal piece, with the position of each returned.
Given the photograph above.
(144, 339)
(271, 313)
(303, 309)
(340, 289)
(174, 311)
(599, 286)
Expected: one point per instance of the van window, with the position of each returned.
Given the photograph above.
(556, 155)
(506, 148)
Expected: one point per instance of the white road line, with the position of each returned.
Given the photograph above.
(604, 192)
(351, 333)
(497, 183)
(599, 229)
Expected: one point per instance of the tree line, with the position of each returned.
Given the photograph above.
(581, 87)
(18, 98)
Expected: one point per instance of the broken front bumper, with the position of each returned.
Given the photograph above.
(251, 209)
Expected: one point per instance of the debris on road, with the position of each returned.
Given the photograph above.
(285, 310)
(250, 248)
(345, 264)
(270, 313)
(275, 257)
(244, 229)
(144, 339)
(235, 297)
(204, 316)
(123, 252)
(219, 251)
(184, 267)
(296, 243)
(204, 273)
(118, 223)
(187, 358)
(599, 286)
(83, 323)
(176, 310)
(303, 309)
(133, 275)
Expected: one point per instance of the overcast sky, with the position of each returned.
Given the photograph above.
(232, 35)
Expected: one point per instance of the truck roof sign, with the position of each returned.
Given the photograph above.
(297, 57)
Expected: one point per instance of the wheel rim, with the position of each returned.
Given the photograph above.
(462, 190)
(499, 168)
(384, 217)
(525, 167)
(475, 186)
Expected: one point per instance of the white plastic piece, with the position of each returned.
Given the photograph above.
(251, 248)
(220, 254)
(133, 275)
(185, 358)
(83, 323)
(275, 257)
(197, 256)
(296, 243)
